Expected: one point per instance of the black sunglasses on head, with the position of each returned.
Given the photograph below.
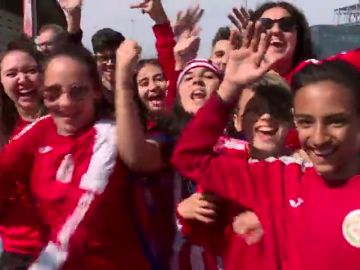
(286, 24)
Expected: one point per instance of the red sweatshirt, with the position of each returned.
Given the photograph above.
(309, 223)
(82, 193)
(21, 229)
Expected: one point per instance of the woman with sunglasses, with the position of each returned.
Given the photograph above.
(290, 33)
(77, 179)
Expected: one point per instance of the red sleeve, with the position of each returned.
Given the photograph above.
(227, 176)
(165, 43)
(194, 149)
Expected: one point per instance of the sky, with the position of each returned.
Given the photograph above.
(116, 14)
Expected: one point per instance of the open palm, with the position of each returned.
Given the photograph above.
(247, 64)
(187, 20)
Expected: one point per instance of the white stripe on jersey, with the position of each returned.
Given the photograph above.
(94, 181)
(28, 127)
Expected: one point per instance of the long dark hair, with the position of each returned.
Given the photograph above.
(303, 49)
(143, 111)
(9, 115)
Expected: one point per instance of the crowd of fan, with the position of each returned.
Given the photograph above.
(246, 160)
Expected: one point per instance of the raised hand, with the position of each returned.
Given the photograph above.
(186, 47)
(247, 64)
(72, 11)
(127, 56)
(154, 8)
(240, 17)
(70, 5)
(187, 20)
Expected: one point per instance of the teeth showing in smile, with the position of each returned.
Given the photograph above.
(27, 93)
(267, 130)
(277, 44)
(323, 153)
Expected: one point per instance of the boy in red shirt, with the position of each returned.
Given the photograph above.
(263, 115)
(308, 210)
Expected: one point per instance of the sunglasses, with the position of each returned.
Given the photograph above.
(76, 93)
(286, 24)
(105, 58)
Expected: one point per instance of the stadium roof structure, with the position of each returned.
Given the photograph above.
(348, 15)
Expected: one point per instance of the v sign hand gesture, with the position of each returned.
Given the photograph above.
(247, 64)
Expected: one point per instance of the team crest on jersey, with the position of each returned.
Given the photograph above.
(66, 170)
(351, 228)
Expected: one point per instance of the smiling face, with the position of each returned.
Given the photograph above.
(21, 79)
(262, 128)
(70, 94)
(105, 61)
(328, 128)
(196, 87)
(283, 43)
(152, 85)
(220, 54)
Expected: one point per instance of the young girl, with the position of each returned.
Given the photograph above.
(21, 79)
(77, 179)
(141, 154)
(151, 86)
(294, 200)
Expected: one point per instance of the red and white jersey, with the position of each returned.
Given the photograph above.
(309, 222)
(188, 256)
(232, 146)
(83, 195)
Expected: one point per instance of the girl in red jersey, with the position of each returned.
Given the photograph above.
(20, 227)
(138, 152)
(175, 46)
(77, 179)
(21, 80)
(309, 211)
